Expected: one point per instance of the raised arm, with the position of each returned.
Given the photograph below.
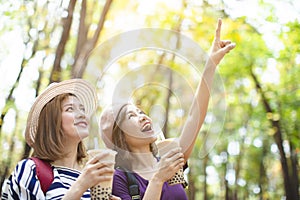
(200, 102)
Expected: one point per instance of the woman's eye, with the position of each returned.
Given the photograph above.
(69, 109)
(131, 115)
(142, 112)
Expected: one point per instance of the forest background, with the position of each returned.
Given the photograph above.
(154, 51)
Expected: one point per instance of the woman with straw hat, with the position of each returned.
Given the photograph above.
(57, 123)
(126, 129)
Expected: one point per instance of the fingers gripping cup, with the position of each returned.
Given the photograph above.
(103, 190)
(164, 146)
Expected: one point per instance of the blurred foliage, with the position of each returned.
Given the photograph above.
(238, 141)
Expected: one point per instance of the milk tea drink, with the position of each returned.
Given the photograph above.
(164, 146)
(102, 191)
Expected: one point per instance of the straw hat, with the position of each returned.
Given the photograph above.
(82, 89)
(107, 121)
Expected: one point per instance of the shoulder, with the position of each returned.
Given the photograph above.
(120, 175)
(120, 185)
(23, 183)
(24, 171)
(25, 167)
(26, 162)
(122, 178)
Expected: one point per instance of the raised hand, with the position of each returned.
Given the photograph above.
(220, 47)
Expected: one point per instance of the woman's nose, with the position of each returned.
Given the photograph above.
(81, 113)
(142, 118)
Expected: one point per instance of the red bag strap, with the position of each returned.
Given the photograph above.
(44, 173)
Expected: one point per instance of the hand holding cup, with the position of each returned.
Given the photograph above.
(169, 150)
(105, 159)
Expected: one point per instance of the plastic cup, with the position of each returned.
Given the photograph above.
(164, 146)
(103, 190)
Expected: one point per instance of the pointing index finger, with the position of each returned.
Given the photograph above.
(218, 30)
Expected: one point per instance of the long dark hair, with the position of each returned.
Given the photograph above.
(121, 146)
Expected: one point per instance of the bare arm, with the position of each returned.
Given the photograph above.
(200, 102)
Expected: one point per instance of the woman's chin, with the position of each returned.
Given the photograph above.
(82, 136)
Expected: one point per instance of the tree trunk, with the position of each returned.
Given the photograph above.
(178, 30)
(288, 185)
(169, 94)
(295, 167)
(82, 31)
(9, 98)
(8, 163)
(262, 171)
(191, 187)
(27, 148)
(205, 161)
(227, 190)
(79, 65)
(238, 169)
(60, 50)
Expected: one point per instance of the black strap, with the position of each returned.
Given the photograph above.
(133, 185)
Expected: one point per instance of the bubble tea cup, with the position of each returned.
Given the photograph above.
(164, 146)
(103, 190)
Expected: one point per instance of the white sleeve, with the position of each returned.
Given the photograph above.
(23, 182)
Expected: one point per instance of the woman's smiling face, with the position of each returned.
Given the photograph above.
(74, 121)
(137, 126)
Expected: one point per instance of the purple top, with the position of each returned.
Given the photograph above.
(120, 188)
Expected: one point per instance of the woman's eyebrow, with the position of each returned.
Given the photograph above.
(72, 104)
(129, 112)
(68, 104)
(139, 110)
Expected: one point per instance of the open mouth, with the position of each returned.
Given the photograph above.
(147, 127)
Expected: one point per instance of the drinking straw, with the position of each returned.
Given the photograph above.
(162, 136)
(158, 130)
(96, 144)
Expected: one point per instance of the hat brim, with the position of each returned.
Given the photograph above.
(82, 89)
(107, 120)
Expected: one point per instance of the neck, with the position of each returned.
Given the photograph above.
(69, 160)
(143, 161)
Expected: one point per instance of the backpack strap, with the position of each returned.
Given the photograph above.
(133, 185)
(44, 173)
